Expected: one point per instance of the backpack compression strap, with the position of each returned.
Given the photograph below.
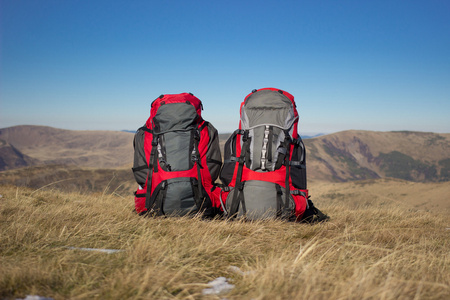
(283, 158)
(195, 157)
(238, 194)
(153, 166)
(156, 199)
(287, 211)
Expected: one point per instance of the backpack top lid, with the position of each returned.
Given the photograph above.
(272, 89)
(186, 109)
(268, 106)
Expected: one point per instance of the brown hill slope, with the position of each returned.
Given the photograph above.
(12, 158)
(356, 155)
(47, 145)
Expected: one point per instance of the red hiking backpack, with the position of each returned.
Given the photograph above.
(264, 170)
(176, 159)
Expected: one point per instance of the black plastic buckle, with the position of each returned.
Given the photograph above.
(245, 136)
(226, 188)
(240, 186)
(155, 140)
(197, 135)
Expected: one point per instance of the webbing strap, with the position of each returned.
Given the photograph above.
(143, 167)
(298, 192)
(281, 155)
(205, 123)
(284, 150)
(196, 159)
(297, 163)
(300, 144)
(195, 188)
(210, 160)
(279, 201)
(153, 167)
(287, 141)
(152, 205)
(145, 128)
(238, 131)
(287, 193)
(238, 184)
(269, 146)
(242, 199)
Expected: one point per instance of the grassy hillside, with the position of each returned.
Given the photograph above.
(373, 248)
(71, 178)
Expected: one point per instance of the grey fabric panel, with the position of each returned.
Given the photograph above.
(257, 136)
(213, 152)
(260, 200)
(179, 197)
(139, 158)
(229, 199)
(278, 138)
(177, 150)
(244, 120)
(174, 116)
(267, 108)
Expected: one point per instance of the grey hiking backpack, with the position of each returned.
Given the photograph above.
(264, 171)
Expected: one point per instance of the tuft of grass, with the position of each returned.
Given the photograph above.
(369, 251)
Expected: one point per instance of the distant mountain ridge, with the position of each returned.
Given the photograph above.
(29, 145)
(342, 156)
(356, 155)
(304, 137)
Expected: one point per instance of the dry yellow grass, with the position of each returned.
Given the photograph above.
(431, 196)
(373, 250)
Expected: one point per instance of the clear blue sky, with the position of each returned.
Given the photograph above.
(94, 64)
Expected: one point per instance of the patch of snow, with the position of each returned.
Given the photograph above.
(35, 297)
(218, 286)
(109, 251)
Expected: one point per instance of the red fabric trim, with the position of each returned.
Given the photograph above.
(300, 204)
(277, 176)
(162, 175)
(205, 172)
(139, 202)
